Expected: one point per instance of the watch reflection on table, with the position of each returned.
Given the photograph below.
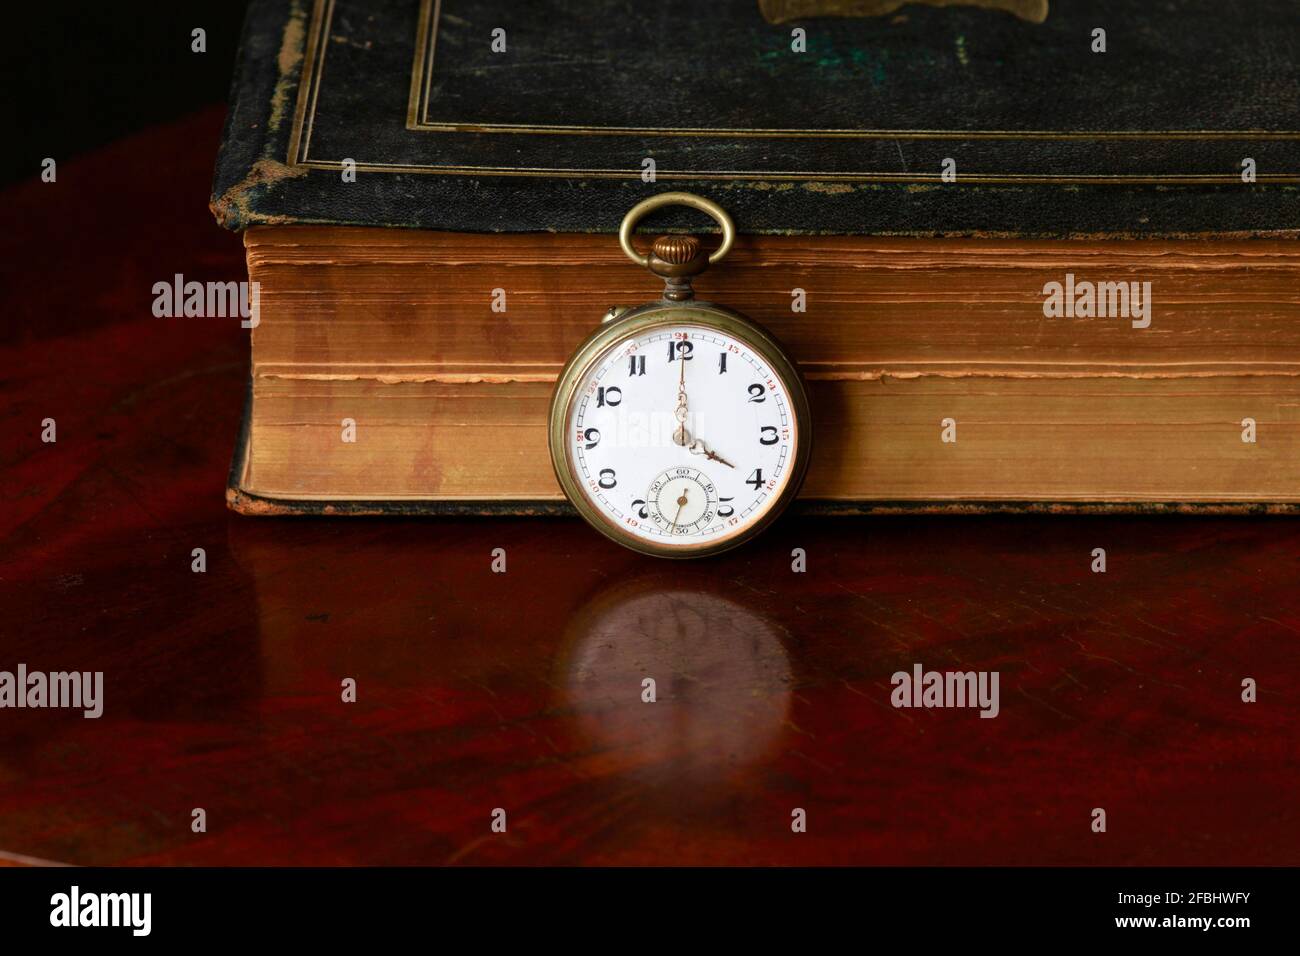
(722, 680)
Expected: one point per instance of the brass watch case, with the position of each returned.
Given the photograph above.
(646, 318)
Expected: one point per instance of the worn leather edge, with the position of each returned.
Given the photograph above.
(277, 194)
(262, 104)
(245, 503)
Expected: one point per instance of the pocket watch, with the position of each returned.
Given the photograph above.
(679, 428)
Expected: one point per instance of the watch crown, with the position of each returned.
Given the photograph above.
(676, 250)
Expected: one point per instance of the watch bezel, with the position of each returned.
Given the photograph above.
(645, 318)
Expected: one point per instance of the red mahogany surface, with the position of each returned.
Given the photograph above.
(523, 691)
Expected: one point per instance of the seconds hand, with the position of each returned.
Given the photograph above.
(681, 503)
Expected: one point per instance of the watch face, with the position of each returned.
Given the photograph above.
(684, 430)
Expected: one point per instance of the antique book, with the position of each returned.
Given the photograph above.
(1021, 264)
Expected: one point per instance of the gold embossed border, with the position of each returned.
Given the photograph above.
(430, 14)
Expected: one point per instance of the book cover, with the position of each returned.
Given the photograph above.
(1178, 119)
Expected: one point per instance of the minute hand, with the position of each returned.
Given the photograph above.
(682, 412)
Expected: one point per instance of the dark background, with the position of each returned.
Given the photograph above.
(80, 75)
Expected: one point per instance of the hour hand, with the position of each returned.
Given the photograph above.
(698, 447)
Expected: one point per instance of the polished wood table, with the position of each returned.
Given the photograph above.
(522, 692)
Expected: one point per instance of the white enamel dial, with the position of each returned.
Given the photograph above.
(682, 436)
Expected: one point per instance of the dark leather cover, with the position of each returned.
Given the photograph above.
(1049, 138)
